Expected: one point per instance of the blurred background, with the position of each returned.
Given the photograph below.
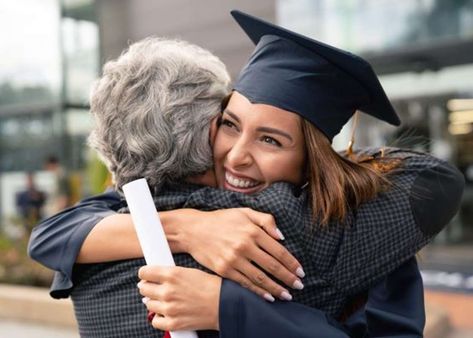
(52, 50)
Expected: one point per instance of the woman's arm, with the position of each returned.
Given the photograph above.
(114, 237)
(225, 241)
(56, 241)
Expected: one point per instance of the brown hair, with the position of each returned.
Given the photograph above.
(337, 182)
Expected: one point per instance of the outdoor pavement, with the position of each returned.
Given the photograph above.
(458, 306)
(448, 280)
(461, 334)
(30, 312)
(27, 312)
(16, 329)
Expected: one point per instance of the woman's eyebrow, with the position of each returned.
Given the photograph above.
(232, 115)
(261, 129)
(275, 131)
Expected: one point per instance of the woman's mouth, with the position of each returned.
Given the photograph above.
(239, 182)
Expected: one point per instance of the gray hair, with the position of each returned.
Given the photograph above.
(152, 110)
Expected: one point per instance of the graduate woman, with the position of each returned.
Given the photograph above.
(262, 140)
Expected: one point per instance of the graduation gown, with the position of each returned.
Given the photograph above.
(390, 311)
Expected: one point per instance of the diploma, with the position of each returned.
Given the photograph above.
(150, 231)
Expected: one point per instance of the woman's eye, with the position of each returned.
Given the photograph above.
(271, 140)
(228, 123)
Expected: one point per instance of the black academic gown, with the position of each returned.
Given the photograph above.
(390, 311)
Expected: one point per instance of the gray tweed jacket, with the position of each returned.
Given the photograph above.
(340, 261)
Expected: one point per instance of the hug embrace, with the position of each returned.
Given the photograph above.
(275, 234)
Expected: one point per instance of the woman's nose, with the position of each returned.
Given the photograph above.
(239, 155)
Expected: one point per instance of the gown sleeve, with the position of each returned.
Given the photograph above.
(244, 314)
(56, 241)
(390, 311)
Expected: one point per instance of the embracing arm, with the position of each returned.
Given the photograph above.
(56, 241)
(114, 237)
(93, 232)
(225, 241)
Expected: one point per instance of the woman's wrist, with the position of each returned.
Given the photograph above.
(215, 303)
(179, 228)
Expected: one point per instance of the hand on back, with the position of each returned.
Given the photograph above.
(243, 245)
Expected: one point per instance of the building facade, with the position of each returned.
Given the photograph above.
(423, 51)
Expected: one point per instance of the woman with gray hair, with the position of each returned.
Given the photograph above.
(153, 109)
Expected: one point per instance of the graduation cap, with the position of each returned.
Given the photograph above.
(321, 83)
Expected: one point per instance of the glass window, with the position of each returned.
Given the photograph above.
(30, 72)
(50, 57)
(81, 59)
(375, 25)
(26, 140)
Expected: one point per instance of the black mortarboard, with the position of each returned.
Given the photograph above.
(321, 83)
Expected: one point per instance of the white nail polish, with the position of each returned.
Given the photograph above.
(300, 272)
(268, 297)
(286, 295)
(281, 236)
(145, 300)
(298, 285)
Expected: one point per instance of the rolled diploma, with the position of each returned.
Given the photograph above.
(150, 231)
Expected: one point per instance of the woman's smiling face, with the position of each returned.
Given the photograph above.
(256, 145)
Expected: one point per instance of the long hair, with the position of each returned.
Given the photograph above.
(338, 183)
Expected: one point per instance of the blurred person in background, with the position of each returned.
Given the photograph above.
(146, 166)
(30, 202)
(60, 197)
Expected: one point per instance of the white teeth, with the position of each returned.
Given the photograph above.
(239, 182)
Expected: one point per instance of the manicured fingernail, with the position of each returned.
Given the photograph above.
(281, 236)
(139, 284)
(298, 285)
(268, 297)
(286, 295)
(300, 272)
(145, 300)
